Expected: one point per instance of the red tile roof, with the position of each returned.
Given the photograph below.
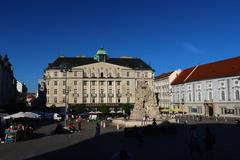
(163, 75)
(224, 68)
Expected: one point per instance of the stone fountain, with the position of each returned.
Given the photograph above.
(145, 106)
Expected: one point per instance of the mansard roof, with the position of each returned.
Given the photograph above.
(134, 63)
(225, 68)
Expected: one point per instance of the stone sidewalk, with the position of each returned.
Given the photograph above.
(83, 146)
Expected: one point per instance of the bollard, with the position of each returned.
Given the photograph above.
(118, 127)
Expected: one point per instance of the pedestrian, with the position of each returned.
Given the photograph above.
(97, 132)
(209, 141)
(154, 124)
(79, 123)
(194, 144)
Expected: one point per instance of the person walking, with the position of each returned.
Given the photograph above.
(209, 141)
(79, 123)
(97, 132)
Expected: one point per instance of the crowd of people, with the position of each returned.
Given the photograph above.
(15, 132)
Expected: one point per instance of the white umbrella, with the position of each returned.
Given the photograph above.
(98, 112)
(22, 115)
(112, 112)
(32, 115)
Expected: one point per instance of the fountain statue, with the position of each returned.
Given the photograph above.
(145, 103)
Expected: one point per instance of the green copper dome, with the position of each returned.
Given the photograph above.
(101, 55)
(101, 51)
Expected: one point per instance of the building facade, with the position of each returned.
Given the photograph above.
(162, 84)
(8, 90)
(21, 92)
(210, 89)
(95, 80)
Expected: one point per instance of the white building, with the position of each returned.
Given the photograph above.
(209, 89)
(22, 92)
(95, 81)
(162, 84)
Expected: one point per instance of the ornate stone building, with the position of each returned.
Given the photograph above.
(8, 90)
(95, 80)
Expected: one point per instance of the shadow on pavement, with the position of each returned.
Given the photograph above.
(162, 146)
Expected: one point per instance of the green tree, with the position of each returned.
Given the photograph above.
(79, 108)
(127, 108)
(104, 109)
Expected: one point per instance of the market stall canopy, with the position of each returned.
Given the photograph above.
(22, 115)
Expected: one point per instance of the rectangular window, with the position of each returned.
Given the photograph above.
(64, 83)
(110, 99)
(110, 91)
(128, 99)
(118, 100)
(55, 91)
(128, 83)
(146, 74)
(138, 74)
(55, 83)
(85, 91)
(109, 83)
(84, 83)
(75, 82)
(118, 83)
(64, 100)
(102, 99)
(93, 83)
(75, 91)
(75, 100)
(101, 91)
(55, 99)
(47, 91)
(47, 99)
(64, 91)
(101, 83)
(64, 74)
(48, 83)
(75, 74)
(84, 100)
(127, 74)
(55, 74)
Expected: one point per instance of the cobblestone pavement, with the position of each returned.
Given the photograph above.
(83, 146)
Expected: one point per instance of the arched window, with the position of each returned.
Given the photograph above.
(199, 96)
(189, 97)
(223, 95)
(209, 95)
(101, 75)
(237, 95)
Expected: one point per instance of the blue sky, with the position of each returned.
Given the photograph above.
(169, 34)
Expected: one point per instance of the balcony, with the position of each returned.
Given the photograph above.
(119, 95)
(93, 95)
(208, 101)
(102, 94)
(85, 95)
(110, 94)
(75, 95)
(128, 94)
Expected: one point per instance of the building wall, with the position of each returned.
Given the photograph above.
(94, 83)
(163, 89)
(221, 93)
(8, 90)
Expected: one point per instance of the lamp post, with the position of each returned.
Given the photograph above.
(65, 69)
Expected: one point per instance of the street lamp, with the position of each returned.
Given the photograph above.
(65, 69)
